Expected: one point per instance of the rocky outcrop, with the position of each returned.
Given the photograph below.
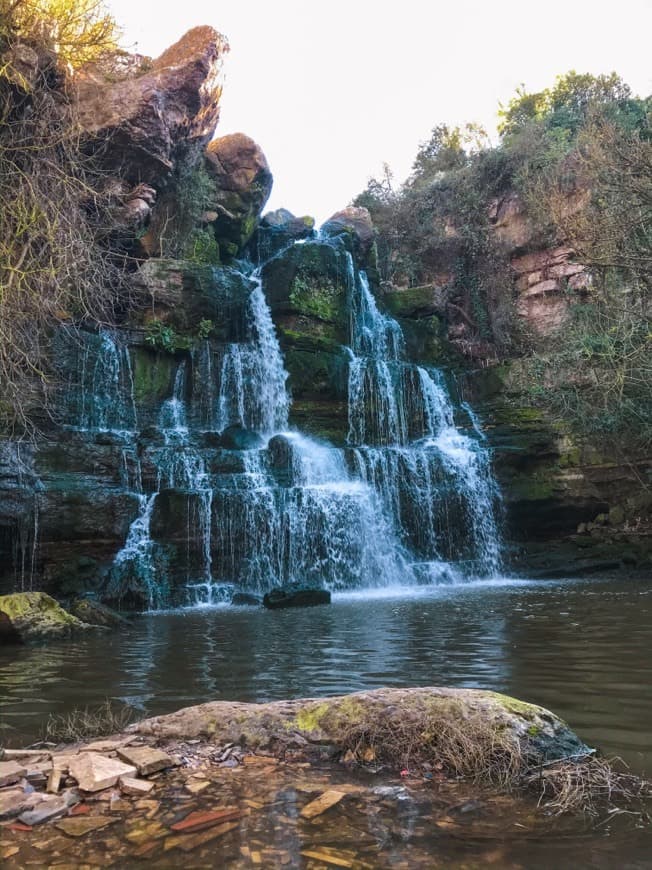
(278, 229)
(145, 120)
(295, 596)
(546, 275)
(242, 185)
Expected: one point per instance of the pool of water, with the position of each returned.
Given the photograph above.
(581, 648)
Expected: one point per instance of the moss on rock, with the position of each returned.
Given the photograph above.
(35, 616)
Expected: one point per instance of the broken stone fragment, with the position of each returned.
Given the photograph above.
(11, 772)
(137, 787)
(95, 772)
(146, 759)
(50, 807)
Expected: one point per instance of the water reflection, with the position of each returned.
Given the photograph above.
(580, 648)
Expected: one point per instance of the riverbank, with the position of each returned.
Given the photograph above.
(307, 783)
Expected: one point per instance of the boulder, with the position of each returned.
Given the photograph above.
(245, 599)
(35, 616)
(96, 613)
(295, 596)
(242, 184)
(277, 230)
(439, 719)
(355, 223)
(149, 117)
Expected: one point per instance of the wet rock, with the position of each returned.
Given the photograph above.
(246, 599)
(95, 772)
(277, 230)
(353, 223)
(10, 772)
(237, 438)
(146, 759)
(324, 802)
(35, 616)
(96, 613)
(200, 819)
(50, 807)
(295, 596)
(82, 825)
(242, 184)
(14, 801)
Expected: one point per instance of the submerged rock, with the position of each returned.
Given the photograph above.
(34, 616)
(246, 599)
(295, 596)
(95, 613)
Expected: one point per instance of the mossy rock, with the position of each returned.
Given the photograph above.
(27, 617)
(431, 723)
(414, 302)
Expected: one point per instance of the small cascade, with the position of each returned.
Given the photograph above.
(104, 395)
(435, 481)
(252, 378)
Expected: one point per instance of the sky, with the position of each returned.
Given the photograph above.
(332, 90)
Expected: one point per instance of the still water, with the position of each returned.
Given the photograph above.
(582, 648)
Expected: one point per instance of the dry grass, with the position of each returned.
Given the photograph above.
(462, 746)
(589, 785)
(475, 749)
(87, 723)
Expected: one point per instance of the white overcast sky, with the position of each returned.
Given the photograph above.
(332, 89)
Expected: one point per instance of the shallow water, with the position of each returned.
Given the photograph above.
(581, 648)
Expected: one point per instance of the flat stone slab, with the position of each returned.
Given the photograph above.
(95, 772)
(11, 772)
(146, 759)
(81, 825)
(324, 802)
(50, 807)
(138, 787)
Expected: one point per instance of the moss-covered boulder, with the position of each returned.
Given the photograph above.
(470, 732)
(27, 617)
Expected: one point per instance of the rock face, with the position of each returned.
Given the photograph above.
(35, 616)
(540, 734)
(147, 117)
(242, 183)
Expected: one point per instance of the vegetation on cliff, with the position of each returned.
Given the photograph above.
(55, 223)
(574, 166)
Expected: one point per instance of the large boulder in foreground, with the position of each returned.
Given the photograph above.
(34, 616)
(242, 184)
(146, 118)
(466, 730)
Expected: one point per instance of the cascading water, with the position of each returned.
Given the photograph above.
(435, 481)
(408, 499)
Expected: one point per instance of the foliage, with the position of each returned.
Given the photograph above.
(578, 157)
(78, 31)
(162, 336)
(55, 223)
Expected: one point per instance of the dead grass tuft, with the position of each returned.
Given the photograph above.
(87, 723)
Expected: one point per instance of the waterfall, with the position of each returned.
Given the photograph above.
(236, 500)
(104, 393)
